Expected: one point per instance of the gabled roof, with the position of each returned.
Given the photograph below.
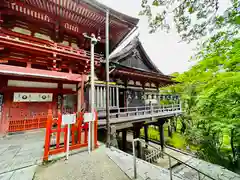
(128, 50)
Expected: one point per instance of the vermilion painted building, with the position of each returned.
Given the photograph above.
(45, 62)
(44, 58)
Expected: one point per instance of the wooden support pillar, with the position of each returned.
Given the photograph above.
(5, 98)
(161, 132)
(124, 139)
(146, 134)
(80, 96)
(136, 134)
(60, 99)
(125, 94)
(117, 97)
(101, 97)
(138, 143)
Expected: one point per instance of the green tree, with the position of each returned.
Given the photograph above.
(210, 94)
(193, 18)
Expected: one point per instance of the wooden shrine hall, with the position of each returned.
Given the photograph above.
(45, 59)
(135, 97)
(45, 64)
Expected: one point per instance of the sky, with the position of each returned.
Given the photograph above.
(163, 48)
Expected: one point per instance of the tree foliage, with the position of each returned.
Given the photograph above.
(210, 93)
(193, 18)
(210, 90)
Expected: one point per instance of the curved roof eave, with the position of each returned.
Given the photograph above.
(116, 14)
(126, 50)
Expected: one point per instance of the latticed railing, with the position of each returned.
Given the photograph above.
(142, 110)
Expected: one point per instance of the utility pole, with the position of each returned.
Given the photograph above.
(107, 78)
(94, 41)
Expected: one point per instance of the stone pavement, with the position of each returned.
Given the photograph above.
(82, 166)
(20, 154)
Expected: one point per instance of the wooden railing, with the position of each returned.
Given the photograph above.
(141, 110)
(45, 44)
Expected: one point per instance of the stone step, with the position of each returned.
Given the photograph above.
(145, 170)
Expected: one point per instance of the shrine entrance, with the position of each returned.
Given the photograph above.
(25, 102)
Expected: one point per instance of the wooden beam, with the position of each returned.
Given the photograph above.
(42, 90)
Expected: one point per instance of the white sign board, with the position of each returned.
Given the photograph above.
(89, 117)
(32, 97)
(68, 119)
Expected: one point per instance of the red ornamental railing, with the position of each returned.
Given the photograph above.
(27, 123)
(56, 135)
(49, 46)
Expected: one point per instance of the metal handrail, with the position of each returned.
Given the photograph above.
(169, 158)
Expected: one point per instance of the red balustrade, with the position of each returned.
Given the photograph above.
(56, 135)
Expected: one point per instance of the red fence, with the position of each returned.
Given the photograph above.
(27, 123)
(56, 135)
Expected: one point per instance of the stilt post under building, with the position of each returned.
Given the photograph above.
(124, 139)
(161, 132)
(146, 134)
(136, 129)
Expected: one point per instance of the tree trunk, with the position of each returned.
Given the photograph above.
(232, 144)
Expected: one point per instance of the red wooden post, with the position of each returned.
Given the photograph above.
(38, 118)
(47, 136)
(96, 129)
(82, 93)
(59, 122)
(85, 132)
(72, 130)
(65, 137)
(80, 121)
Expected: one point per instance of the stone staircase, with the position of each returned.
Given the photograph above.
(145, 170)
